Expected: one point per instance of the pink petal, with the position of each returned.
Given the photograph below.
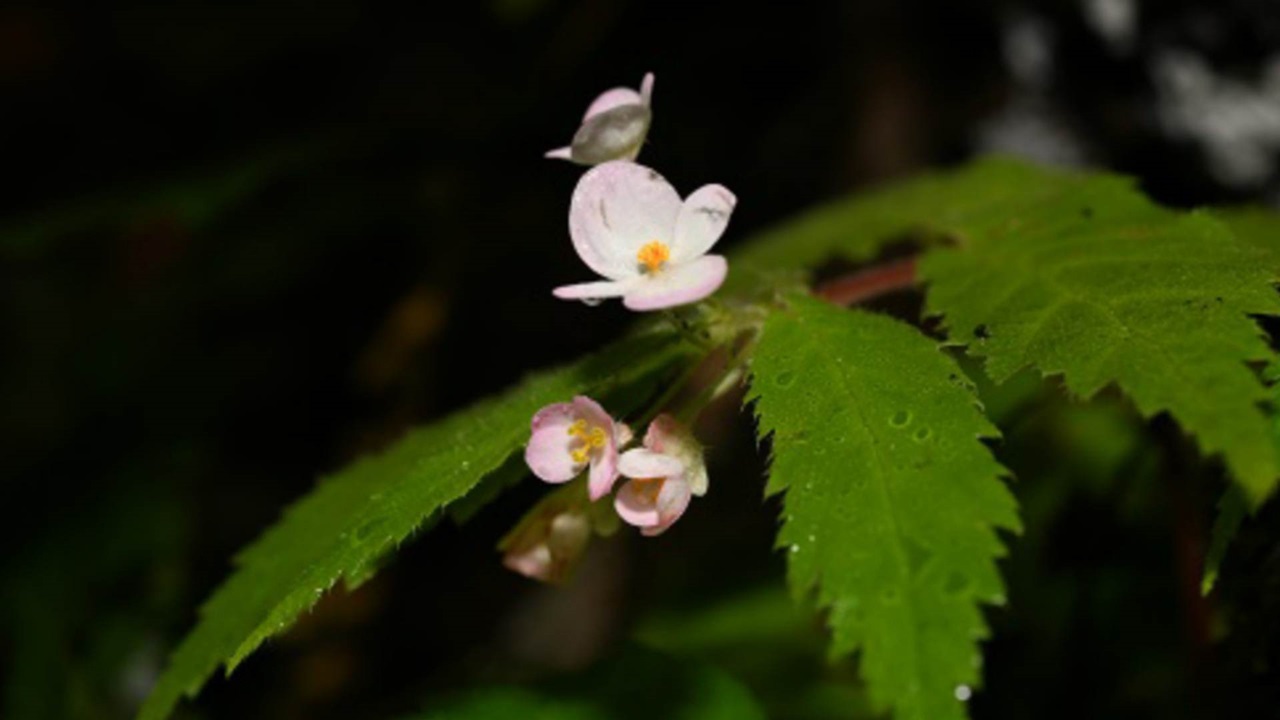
(547, 453)
(593, 412)
(702, 220)
(665, 434)
(618, 207)
(534, 562)
(593, 291)
(604, 473)
(673, 500)
(610, 99)
(604, 467)
(622, 434)
(634, 507)
(679, 284)
(644, 463)
(564, 153)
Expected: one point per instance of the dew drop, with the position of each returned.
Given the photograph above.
(785, 379)
(795, 548)
(963, 693)
(922, 435)
(592, 302)
(900, 419)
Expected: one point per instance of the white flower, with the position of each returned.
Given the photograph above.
(629, 225)
(665, 474)
(614, 127)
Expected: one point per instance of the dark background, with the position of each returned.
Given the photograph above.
(242, 243)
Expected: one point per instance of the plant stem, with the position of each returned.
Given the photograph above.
(869, 283)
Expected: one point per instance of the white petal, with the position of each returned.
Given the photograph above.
(701, 221)
(610, 99)
(643, 464)
(678, 285)
(564, 153)
(590, 291)
(616, 208)
(646, 89)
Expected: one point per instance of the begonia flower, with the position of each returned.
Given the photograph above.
(613, 128)
(569, 437)
(664, 475)
(629, 225)
(549, 546)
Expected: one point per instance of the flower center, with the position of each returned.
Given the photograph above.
(588, 439)
(647, 489)
(653, 256)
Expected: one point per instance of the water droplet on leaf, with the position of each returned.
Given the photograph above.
(785, 379)
(922, 434)
(900, 419)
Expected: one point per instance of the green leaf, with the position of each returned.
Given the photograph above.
(1080, 275)
(638, 683)
(344, 527)
(892, 500)
(1258, 226)
(1077, 274)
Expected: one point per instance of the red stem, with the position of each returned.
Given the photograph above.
(869, 283)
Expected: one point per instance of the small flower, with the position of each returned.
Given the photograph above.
(614, 127)
(629, 225)
(567, 437)
(548, 548)
(665, 474)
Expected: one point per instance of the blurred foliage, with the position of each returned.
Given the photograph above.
(637, 683)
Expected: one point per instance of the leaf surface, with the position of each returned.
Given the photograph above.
(892, 499)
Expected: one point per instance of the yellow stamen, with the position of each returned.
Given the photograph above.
(596, 438)
(648, 489)
(653, 256)
(589, 438)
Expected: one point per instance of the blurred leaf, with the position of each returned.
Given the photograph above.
(191, 202)
(637, 684)
(892, 501)
(79, 603)
(1258, 226)
(353, 519)
(766, 616)
(1232, 509)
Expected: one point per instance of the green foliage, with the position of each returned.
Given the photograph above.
(892, 500)
(638, 684)
(1082, 276)
(1078, 275)
(343, 528)
(1257, 226)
